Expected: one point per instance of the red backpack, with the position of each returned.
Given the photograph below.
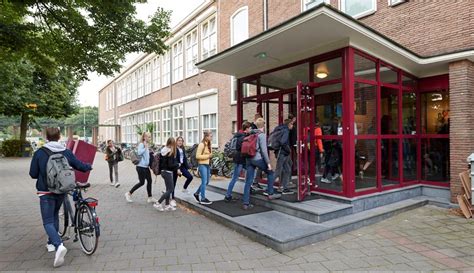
(249, 145)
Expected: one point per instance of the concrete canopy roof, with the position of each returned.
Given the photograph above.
(316, 31)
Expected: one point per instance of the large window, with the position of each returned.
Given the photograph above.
(166, 118)
(239, 27)
(129, 88)
(192, 130)
(191, 53)
(358, 8)
(209, 123)
(178, 120)
(157, 125)
(166, 69)
(134, 85)
(140, 82)
(209, 38)
(178, 61)
(148, 78)
(307, 4)
(156, 74)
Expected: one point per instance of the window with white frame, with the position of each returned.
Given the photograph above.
(209, 123)
(178, 61)
(148, 78)
(156, 74)
(166, 69)
(141, 82)
(192, 130)
(134, 124)
(307, 4)
(191, 53)
(134, 85)
(233, 88)
(157, 125)
(106, 92)
(358, 8)
(177, 120)
(209, 38)
(239, 26)
(395, 2)
(148, 119)
(166, 118)
(141, 122)
(129, 88)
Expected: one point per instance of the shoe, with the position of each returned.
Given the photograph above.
(336, 176)
(325, 180)
(112, 184)
(185, 191)
(228, 199)
(247, 207)
(50, 247)
(158, 206)
(287, 191)
(170, 208)
(59, 257)
(128, 197)
(196, 196)
(361, 174)
(205, 201)
(173, 203)
(274, 196)
(117, 184)
(151, 200)
(265, 193)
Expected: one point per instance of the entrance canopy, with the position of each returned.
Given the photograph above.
(316, 31)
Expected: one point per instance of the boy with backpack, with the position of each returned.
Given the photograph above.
(51, 166)
(254, 148)
(239, 161)
(279, 142)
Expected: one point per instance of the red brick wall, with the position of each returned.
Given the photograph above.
(461, 95)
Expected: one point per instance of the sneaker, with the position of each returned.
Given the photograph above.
(59, 257)
(128, 197)
(50, 247)
(325, 180)
(112, 183)
(151, 200)
(335, 176)
(228, 199)
(265, 193)
(173, 203)
(158, 206)
(170, 208)
(186, 191)
(247, 207)
(287, 191)
(205, 201)
(361, 174)
(196, 196)
(274, 196)
(117, 184)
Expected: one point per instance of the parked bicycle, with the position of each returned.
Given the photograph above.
(220, 164)
(82, 218)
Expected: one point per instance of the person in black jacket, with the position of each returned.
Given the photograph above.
(113, 155)
(183, 169)
(168, 165)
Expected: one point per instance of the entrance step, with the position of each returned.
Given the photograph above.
(284, 232)
(316, 210)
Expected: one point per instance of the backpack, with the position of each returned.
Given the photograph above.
(231, 148)
(60, 176)
(249, 145)
(134, 157)
(193, 160)
(274, 139)
(155, 165)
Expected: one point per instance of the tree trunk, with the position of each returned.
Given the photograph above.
(23, 126)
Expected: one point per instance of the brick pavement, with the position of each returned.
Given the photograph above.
(136, 237)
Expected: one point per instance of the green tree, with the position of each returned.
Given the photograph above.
(77, 120)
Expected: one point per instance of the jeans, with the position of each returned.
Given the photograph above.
(50, 205)
(113, 168)
(168, 177)
(205, 172)
(143, 173)
(251, 165)
(189, 178)
(235, 176)
(283, 169)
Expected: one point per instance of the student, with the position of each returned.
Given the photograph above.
(183, 169)
(261, 161)
(113, 155)
(168, 166)
(239, 161)
(255, 117)
(143, 169)
(318, 132)
(204, 155)
(258, 174)
(283, 155)
(50, 203)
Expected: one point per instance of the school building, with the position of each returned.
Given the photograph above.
(390, 83)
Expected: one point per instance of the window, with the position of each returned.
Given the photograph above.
(157, 124)
(191, 53)
(239, 27)
(192, 130)
(129, 88)
(156, 74)
(395, 2)
(177, 120)
(166, 69)
(209, 38)
(178, 61)
(209, 123)
(358, 8)
(134, 85)
(148, 78)
(140, 82)
(166, 124)
(307, 4)
(233, 87)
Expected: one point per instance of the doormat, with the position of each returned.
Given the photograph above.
(234, 208)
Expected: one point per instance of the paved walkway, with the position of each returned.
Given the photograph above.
(137, 237)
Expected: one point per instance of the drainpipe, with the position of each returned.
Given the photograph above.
(265, 15)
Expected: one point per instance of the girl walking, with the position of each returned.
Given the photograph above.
(113, 156)
(168, 166)
(183, 169)
(204, 155)
(143, 169)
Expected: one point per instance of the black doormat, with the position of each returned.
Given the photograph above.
(234, 208)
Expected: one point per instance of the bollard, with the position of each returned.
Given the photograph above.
(470, 160)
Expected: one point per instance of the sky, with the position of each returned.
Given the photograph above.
(88, 91)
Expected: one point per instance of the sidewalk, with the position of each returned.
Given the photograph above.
(137, 237)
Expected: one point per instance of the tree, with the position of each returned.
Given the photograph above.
(77, 120)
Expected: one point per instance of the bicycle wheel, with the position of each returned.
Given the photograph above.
(228, 169)
(87, 229)
(63, 220)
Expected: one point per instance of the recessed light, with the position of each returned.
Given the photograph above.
(321, 75)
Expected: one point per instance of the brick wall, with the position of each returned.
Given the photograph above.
(461, 94)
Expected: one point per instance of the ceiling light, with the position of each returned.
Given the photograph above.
(321, 74)
(261, 55)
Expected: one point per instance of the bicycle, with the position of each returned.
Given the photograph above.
(83, 219)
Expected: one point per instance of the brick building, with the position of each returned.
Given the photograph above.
(396, 77)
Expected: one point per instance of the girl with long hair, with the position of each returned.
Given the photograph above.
(183, 169)
(168, 165)
(203, 156)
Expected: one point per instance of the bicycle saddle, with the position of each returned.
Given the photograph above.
(83, 185)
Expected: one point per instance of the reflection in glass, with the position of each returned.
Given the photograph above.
(387, 75)
(365, 109)
(331, 177)
(409, 159)
(435, 112)
(366, 164)
(389, 149)
(364, 68)
(329, 112)
(435, 159)
(409, 113)
(407, 81)
(389, 104)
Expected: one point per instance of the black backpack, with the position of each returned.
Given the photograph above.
(274, 140)
(193, 160)
(232, 147)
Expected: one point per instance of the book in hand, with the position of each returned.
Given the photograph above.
(85, 152)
